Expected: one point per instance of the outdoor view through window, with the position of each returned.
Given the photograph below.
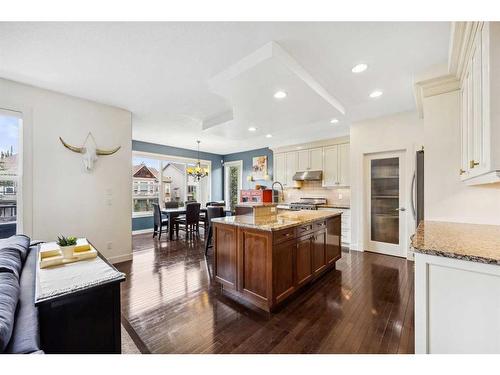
(164, 181)
(9, 143)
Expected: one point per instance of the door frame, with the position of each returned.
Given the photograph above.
(400, 250)
(227, 164)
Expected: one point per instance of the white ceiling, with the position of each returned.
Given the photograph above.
(162, 73)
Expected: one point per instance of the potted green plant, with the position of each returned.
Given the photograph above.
(67, 245)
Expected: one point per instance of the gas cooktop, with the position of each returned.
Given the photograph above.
(307, 203)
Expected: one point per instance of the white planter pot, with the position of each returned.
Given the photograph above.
(67, 251)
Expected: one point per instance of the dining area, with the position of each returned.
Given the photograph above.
(174, 218)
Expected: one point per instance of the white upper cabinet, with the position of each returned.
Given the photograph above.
(291, 164)
(279, 170)
(344, 164)
(316, 159)
(303, 160)
(479, 73)
(332, 160)
(310, 160)
(336, 165)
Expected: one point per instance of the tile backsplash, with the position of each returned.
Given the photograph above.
(313, 189)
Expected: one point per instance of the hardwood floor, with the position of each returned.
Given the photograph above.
(171, 305)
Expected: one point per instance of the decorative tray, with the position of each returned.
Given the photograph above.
(51, 255)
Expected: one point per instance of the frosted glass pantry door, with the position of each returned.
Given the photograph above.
(386, 212)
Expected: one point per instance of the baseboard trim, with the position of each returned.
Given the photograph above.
(120, 258)
(142, 231)
(358, 250)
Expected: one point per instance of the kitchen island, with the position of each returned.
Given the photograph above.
(263, 262)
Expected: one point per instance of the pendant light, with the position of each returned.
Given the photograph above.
(197, 172)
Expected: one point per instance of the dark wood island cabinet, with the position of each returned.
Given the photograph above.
(263, 262)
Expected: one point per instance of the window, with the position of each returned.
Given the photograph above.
(161, 179)
(145, 184)
(10, 126)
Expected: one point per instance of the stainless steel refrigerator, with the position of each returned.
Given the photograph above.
(417, 188)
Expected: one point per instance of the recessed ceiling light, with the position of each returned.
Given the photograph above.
(334, 121)
(252, 129)
(269, 135)
(376, 94)
(280, 95)
(359, 68)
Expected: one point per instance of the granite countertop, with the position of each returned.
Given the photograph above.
(472, 242)
(257, 204)
(340, 206)
(286, 206)
(283, 220)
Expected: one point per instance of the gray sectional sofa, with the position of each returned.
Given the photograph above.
(19, 328)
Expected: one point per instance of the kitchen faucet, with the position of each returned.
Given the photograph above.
(282, 191)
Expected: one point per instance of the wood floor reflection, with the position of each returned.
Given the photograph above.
(171, 305)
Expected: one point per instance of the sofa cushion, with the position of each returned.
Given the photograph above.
(10, 261)
(25, 336)
(9, 296)
(18, 242)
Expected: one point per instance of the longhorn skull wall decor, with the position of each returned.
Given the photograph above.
(89, 151)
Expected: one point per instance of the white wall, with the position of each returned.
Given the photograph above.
(446, 197)
(59, 196)
(398, 132)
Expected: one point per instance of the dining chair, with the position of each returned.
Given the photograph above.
(212, 213)
(189, 223)
(204, 216)
(158, 221)
(172, 204)
(216, 203)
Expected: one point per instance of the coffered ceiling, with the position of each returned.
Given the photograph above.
(212, 81)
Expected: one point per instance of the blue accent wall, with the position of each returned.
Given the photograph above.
(217, 175)
(247, 156)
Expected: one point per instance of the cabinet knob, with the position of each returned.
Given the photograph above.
(461, 171)
(473, 163)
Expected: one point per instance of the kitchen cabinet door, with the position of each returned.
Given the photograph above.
(303, 161)
(316, 159)
(283, 264)
(280, 168)
(225, 237)
(331, 166)
(291, 168)
(303, 269)
(477, 110)
(479, 163)
(344, 164)
(464, 123)
(333, 233)
(318, 252)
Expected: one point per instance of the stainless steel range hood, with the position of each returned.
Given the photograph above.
(308, 176)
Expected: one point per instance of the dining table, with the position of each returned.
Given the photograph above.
(172, 213)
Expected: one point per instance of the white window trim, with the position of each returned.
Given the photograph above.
(20, 222)
(178, 159)
(142, 214)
